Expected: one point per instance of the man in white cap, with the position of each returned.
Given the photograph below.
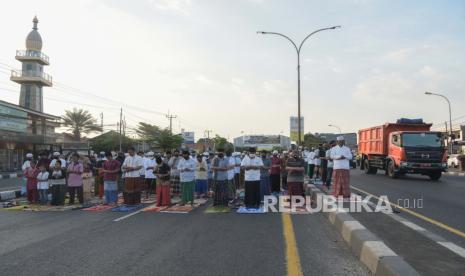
(27, 162)
(56, 156)
(340, 154)
(150, 178)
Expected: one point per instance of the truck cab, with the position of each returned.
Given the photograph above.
(416, 152)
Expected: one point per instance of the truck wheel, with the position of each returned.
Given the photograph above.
(435, 175)
(391, 170)
(369, 169)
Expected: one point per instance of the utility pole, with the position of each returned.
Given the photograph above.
(101, 121)
(120, 128)
(208, 137)
(171, 117)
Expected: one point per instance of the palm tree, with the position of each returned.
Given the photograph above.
(80, 121)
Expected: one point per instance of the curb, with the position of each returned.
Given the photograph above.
(455, 173)
(11, 175)
(371, 250)
(6, 195)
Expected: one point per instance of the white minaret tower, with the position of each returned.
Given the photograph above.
(31, 77)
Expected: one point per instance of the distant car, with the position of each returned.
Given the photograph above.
(453, 161)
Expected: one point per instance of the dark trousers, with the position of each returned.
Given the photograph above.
(329, 176)
(311, 170)
(72, 193)
(252, 194)
(58, 194)
(275, 183)
(284, 181)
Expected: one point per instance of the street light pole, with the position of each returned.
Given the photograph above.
(450, 117)
(340, 132)
(298, 49)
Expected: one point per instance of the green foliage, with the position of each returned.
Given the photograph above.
(109, 141)
(221, 142)
(311, 140)
(162, 138)
(80, 121)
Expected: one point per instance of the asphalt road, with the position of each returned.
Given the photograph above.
(81, 243)
(442, 201)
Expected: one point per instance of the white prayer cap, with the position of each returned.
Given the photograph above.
(56, 153)
(275, 152)
(340, 138)
(206, 153)
(102, 153)
(29, 155)
(150, 153)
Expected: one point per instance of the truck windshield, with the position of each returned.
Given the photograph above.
(421, 140)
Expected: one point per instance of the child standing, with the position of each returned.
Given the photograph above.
(31, 182)
(42, 185)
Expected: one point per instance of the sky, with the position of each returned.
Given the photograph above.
(203, 61)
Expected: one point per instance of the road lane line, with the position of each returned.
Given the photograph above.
(292, 253)
(453, 247)
(127, 216)
(420, 216)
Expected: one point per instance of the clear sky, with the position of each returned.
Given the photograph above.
(203, 61)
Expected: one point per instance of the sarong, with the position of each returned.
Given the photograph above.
(175, 186)
(221, 193)
(252, 194)
(275, 183)
(231, 189)
(163, 193)
(187, 192)
(132, 190)
(201, 186)
(237, 180)
(150, 184)
(341, 180)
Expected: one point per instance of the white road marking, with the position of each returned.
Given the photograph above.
(413, 225)
(453, 247)
(128, 215)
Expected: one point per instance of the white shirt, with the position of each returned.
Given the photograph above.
(191, 164)
(133, 162)
(142, 170)
(237, 169)
(26, 165)
(311, 158)
(149, 163)
(232, 164)
(42, 181)
(252, 175)
(337, 152)
(52, 163)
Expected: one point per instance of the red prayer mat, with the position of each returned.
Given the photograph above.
(178, 209)
(154, 209)
(98, 208)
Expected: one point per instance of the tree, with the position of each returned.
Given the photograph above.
(311, 140)
(80, 121)
(222, 143)
(110, 141)
(162, 138)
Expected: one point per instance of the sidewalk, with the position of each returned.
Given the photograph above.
(456, 172)
(7, 175)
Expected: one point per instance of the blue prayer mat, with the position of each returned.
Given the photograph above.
(244, 210)
(127, 208)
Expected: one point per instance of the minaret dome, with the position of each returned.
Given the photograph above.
(33, 39)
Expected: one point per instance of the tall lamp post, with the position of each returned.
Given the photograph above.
(450, 117)
(340, 132)
(298, 48)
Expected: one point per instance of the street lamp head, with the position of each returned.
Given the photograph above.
(260, 32)
(336, 27)
(330, 125)
(428, 93)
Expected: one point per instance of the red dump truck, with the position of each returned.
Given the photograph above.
(407, 146)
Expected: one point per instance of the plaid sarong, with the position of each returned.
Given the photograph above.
(175, 185)
(187, 194)
(220, 188)
(341, 180)
(132, 190)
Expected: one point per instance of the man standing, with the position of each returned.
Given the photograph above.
(265, 176)
(44, 160)
(26, 165)
(131, 168)
(150, 178)
(252, 164)
(311, 163)
(340, 154)
(231, 184)
(173, 163)
(237, 170)
(186, 167)
(220, 166)
(295, 175)
(329, 166)
(275, 173)
(110, 171)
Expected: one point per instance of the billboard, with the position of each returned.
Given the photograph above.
(187, 137)
(294, 133)
(262, 139)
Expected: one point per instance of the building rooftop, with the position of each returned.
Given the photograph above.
(41, 114)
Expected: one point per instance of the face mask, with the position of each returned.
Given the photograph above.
(186, 157)
(220, 155)
(252, 155)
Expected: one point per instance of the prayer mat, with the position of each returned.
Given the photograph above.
(61, 208)
(217, 209)
(154, 208)
(200, 201)
(175, 200)
(150, 200)
(126, 208)
(178, 209)
(243, 210)
(98, 208)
